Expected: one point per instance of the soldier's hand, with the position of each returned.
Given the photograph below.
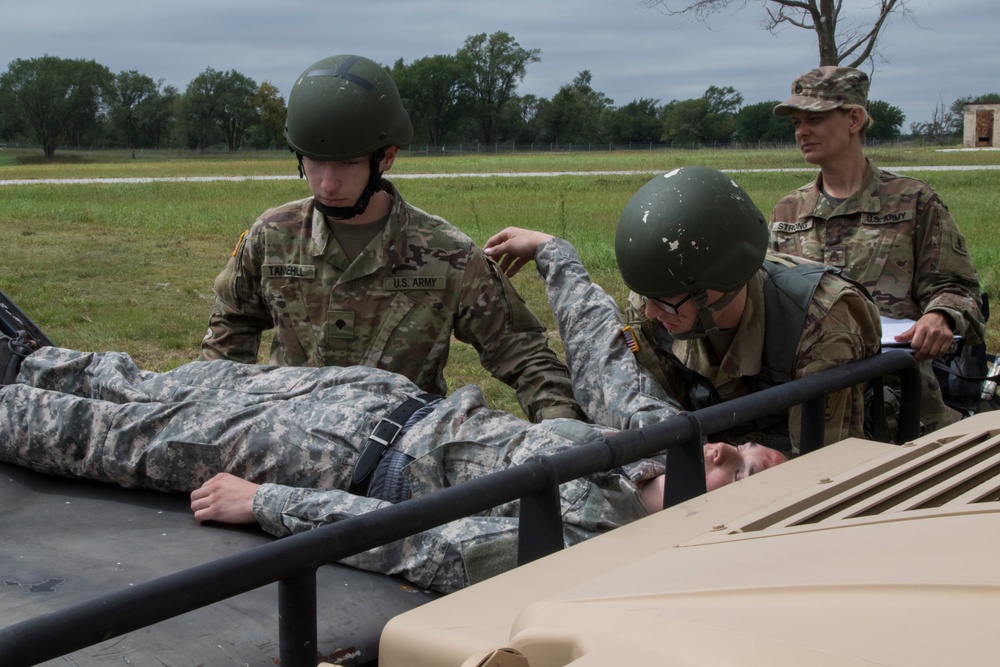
(224, 498)
(930, 338)
(514, 247)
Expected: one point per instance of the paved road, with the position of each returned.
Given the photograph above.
(399, 177)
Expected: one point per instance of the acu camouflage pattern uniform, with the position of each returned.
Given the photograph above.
(895, 236)
(298, 431)
(395, 307)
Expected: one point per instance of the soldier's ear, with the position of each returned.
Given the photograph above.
(857, 116)
(390, 157)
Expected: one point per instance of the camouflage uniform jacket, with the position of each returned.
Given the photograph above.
(395, 307)
(610, 384)
(841, 325)
(297, 431)
(896, 237)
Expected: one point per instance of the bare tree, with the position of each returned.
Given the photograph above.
(851, 43)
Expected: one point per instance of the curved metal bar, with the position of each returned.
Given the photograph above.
(78, 626)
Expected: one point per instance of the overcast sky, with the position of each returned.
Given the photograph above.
(949, 49)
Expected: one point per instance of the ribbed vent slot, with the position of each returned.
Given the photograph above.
(977, 480)
(945, 478)
(907, 490)
(991, 497)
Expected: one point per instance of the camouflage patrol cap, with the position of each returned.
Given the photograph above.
(825, 89)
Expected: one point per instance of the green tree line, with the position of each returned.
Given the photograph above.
(62, 102)
(467, 97)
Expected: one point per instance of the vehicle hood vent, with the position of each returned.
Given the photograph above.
(954, 475)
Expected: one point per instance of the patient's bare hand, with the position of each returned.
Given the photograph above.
(224, 498)
(514, 247)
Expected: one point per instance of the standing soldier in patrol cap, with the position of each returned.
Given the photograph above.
(354, 275)
(891, 233)
(712, 315)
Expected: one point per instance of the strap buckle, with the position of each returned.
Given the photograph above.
(386, 432)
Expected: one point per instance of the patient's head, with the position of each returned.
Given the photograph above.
(725, 463)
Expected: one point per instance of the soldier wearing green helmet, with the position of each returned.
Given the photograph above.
(346, 108)
(702, 226)
(712, 315)
(355, 275)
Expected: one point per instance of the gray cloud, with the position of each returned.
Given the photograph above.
(948, 52)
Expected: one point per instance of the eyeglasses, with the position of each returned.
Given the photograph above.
(666, 306)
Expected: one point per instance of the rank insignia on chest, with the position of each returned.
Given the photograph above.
(835, 255)
(340, 324)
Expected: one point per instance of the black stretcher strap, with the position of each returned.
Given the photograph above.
(385, 433)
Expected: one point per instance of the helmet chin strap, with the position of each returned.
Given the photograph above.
(705, 323)
(374, 185)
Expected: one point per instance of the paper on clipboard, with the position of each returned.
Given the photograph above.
(893, 327)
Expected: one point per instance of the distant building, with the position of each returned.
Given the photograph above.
(982, 126)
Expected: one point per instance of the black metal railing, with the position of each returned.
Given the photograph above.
(293, 561)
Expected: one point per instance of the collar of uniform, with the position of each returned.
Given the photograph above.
(743, 358)
(393, 246)
(320, 235)
(868, 196)
(385, 251)
(865, 200)
(812, 200)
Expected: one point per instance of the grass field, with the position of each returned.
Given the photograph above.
(129, 266)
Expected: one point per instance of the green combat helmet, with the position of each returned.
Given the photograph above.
(687, 231)
(345, 107)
